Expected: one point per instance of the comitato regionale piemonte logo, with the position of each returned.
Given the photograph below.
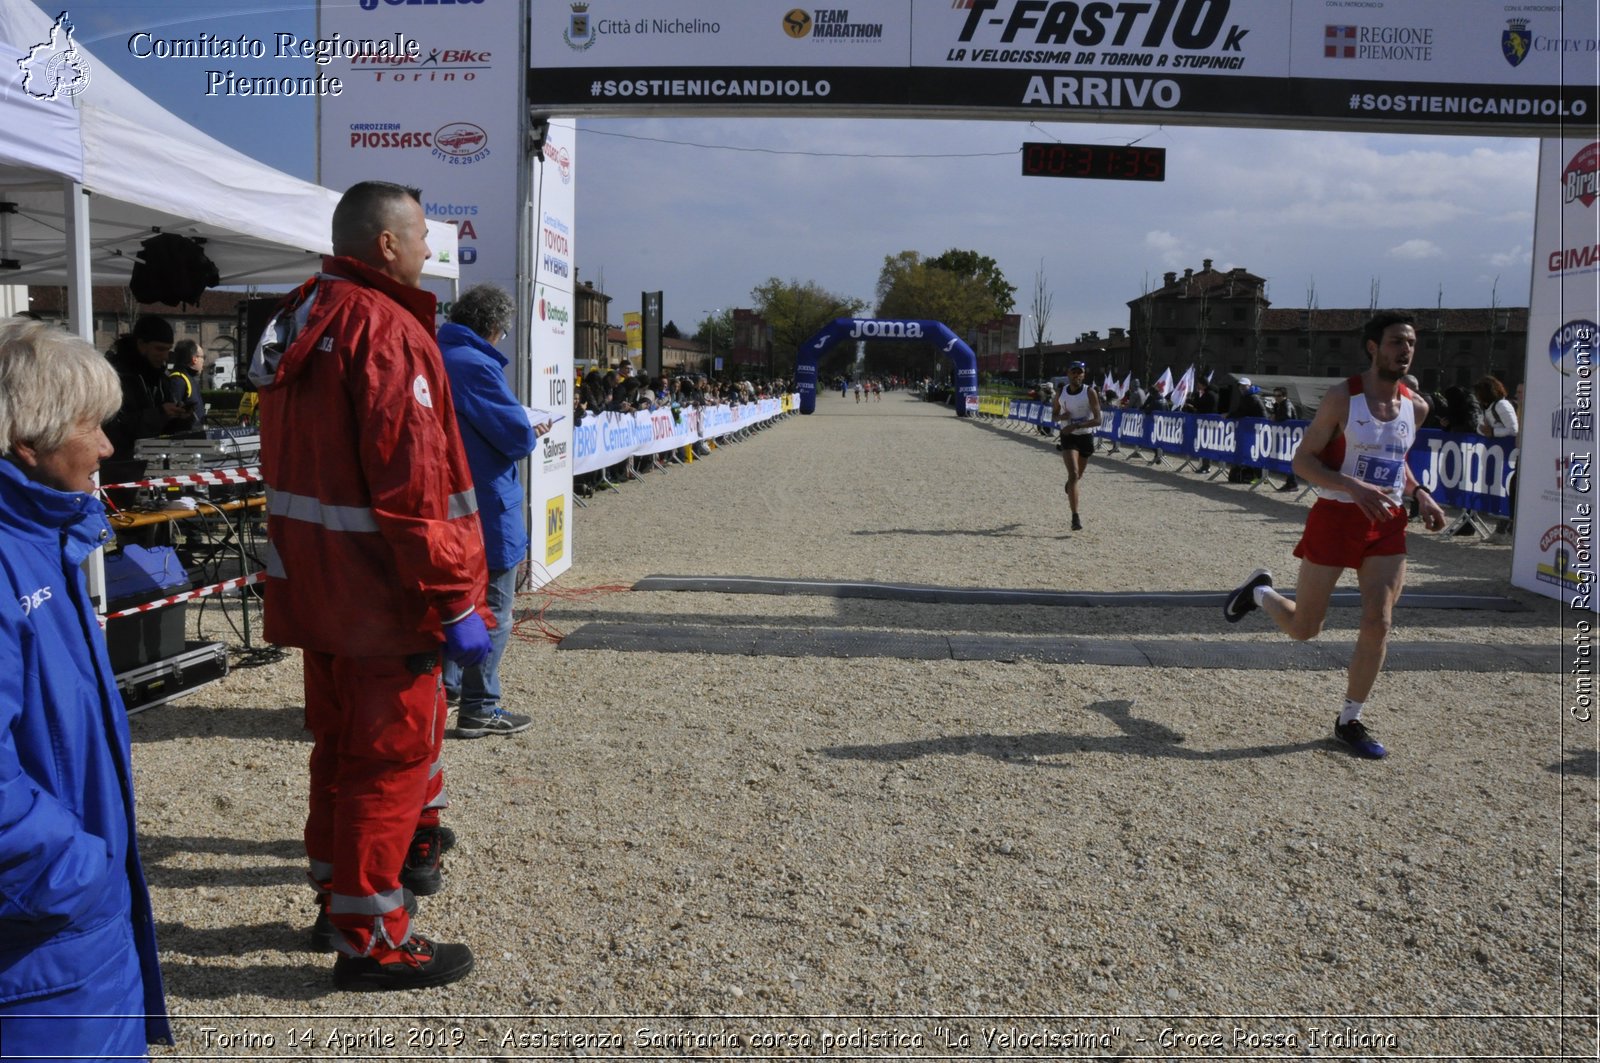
(54, 68)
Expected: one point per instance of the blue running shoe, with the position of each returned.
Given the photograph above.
(1354, 734)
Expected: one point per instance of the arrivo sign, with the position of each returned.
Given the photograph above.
(1097, 161)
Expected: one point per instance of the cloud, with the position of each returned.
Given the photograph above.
(1416, 250)
(1517, 256)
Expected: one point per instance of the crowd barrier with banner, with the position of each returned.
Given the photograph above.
(1466, 471)
(608, 438)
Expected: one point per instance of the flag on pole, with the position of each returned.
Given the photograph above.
(1163, 384)
(1181, 390)
(1122, 388)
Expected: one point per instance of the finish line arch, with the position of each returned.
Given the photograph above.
(905, 329)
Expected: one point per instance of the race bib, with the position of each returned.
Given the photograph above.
(1380, 472)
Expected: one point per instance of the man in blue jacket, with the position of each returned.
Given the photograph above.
(498, 433)
(78, 971)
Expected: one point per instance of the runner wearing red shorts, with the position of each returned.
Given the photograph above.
(1354, 454)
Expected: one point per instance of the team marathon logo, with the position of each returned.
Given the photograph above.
(829, 24)
(54, 68)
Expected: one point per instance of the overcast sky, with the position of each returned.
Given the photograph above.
(706, 209)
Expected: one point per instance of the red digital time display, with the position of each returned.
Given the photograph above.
(1095, 161)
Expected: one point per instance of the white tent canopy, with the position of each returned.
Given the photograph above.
(114, 147)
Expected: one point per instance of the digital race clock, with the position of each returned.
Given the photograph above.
(1097, 161)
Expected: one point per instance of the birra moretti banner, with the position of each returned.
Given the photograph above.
(1475, 66)
(1554, 548)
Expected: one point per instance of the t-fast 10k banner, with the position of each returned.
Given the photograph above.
(1476, 66)
(1554, 548)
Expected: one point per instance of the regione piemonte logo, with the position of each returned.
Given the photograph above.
(1339, 42)
(54, 68)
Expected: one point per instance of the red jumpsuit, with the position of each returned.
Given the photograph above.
(373, 537)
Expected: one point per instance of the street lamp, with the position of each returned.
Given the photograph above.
(711, 339)
(1021, 331)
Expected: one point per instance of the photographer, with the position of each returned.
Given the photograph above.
(183, 386)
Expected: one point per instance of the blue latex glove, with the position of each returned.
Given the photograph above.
(466, 642)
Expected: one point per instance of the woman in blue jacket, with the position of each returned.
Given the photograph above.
(497, 433)
(76, 934)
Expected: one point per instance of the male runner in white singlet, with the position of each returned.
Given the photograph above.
(1354, 454)
(1077, 410)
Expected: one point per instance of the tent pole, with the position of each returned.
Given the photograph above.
(80, 312)
(80, 290)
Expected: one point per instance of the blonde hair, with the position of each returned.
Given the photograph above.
(51, 383)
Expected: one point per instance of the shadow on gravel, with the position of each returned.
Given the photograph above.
(288, 866)
(310, 980)
(1144, 738)
(194, 720)
(1004, 531)
(1584, 764)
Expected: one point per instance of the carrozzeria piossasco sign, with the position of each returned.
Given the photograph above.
(1479, 65)
(455, 142)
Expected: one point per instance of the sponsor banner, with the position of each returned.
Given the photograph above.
(1131, 426)
(652, 33)
(608, 438)
(1467, 471)
(555, 531)
(1553, 549)
(1171, 432)
(1215, 437)
(1439, 65)
(440, 114)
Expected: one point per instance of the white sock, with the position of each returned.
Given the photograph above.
(1351, 710)
(1261, 592)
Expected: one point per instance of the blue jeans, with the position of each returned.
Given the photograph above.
(480, 684)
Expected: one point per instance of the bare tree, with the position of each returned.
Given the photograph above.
(1043, 299)
(1146, 318)
(1309, 321)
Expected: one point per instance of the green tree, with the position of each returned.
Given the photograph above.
(795, 311)
(962, 298)
(983, 269)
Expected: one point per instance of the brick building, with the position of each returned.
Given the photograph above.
(213, 323)
(1222, 320)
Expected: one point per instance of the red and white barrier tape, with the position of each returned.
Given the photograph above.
(247, 474)
(198, 592)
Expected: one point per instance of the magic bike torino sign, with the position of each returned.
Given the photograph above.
(1446, 66)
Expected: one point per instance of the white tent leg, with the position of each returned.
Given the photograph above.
(80, 312)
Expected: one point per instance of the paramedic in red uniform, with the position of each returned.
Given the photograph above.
(375, 568)
(1354, 454)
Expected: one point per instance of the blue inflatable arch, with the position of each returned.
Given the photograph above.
(856, 328)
